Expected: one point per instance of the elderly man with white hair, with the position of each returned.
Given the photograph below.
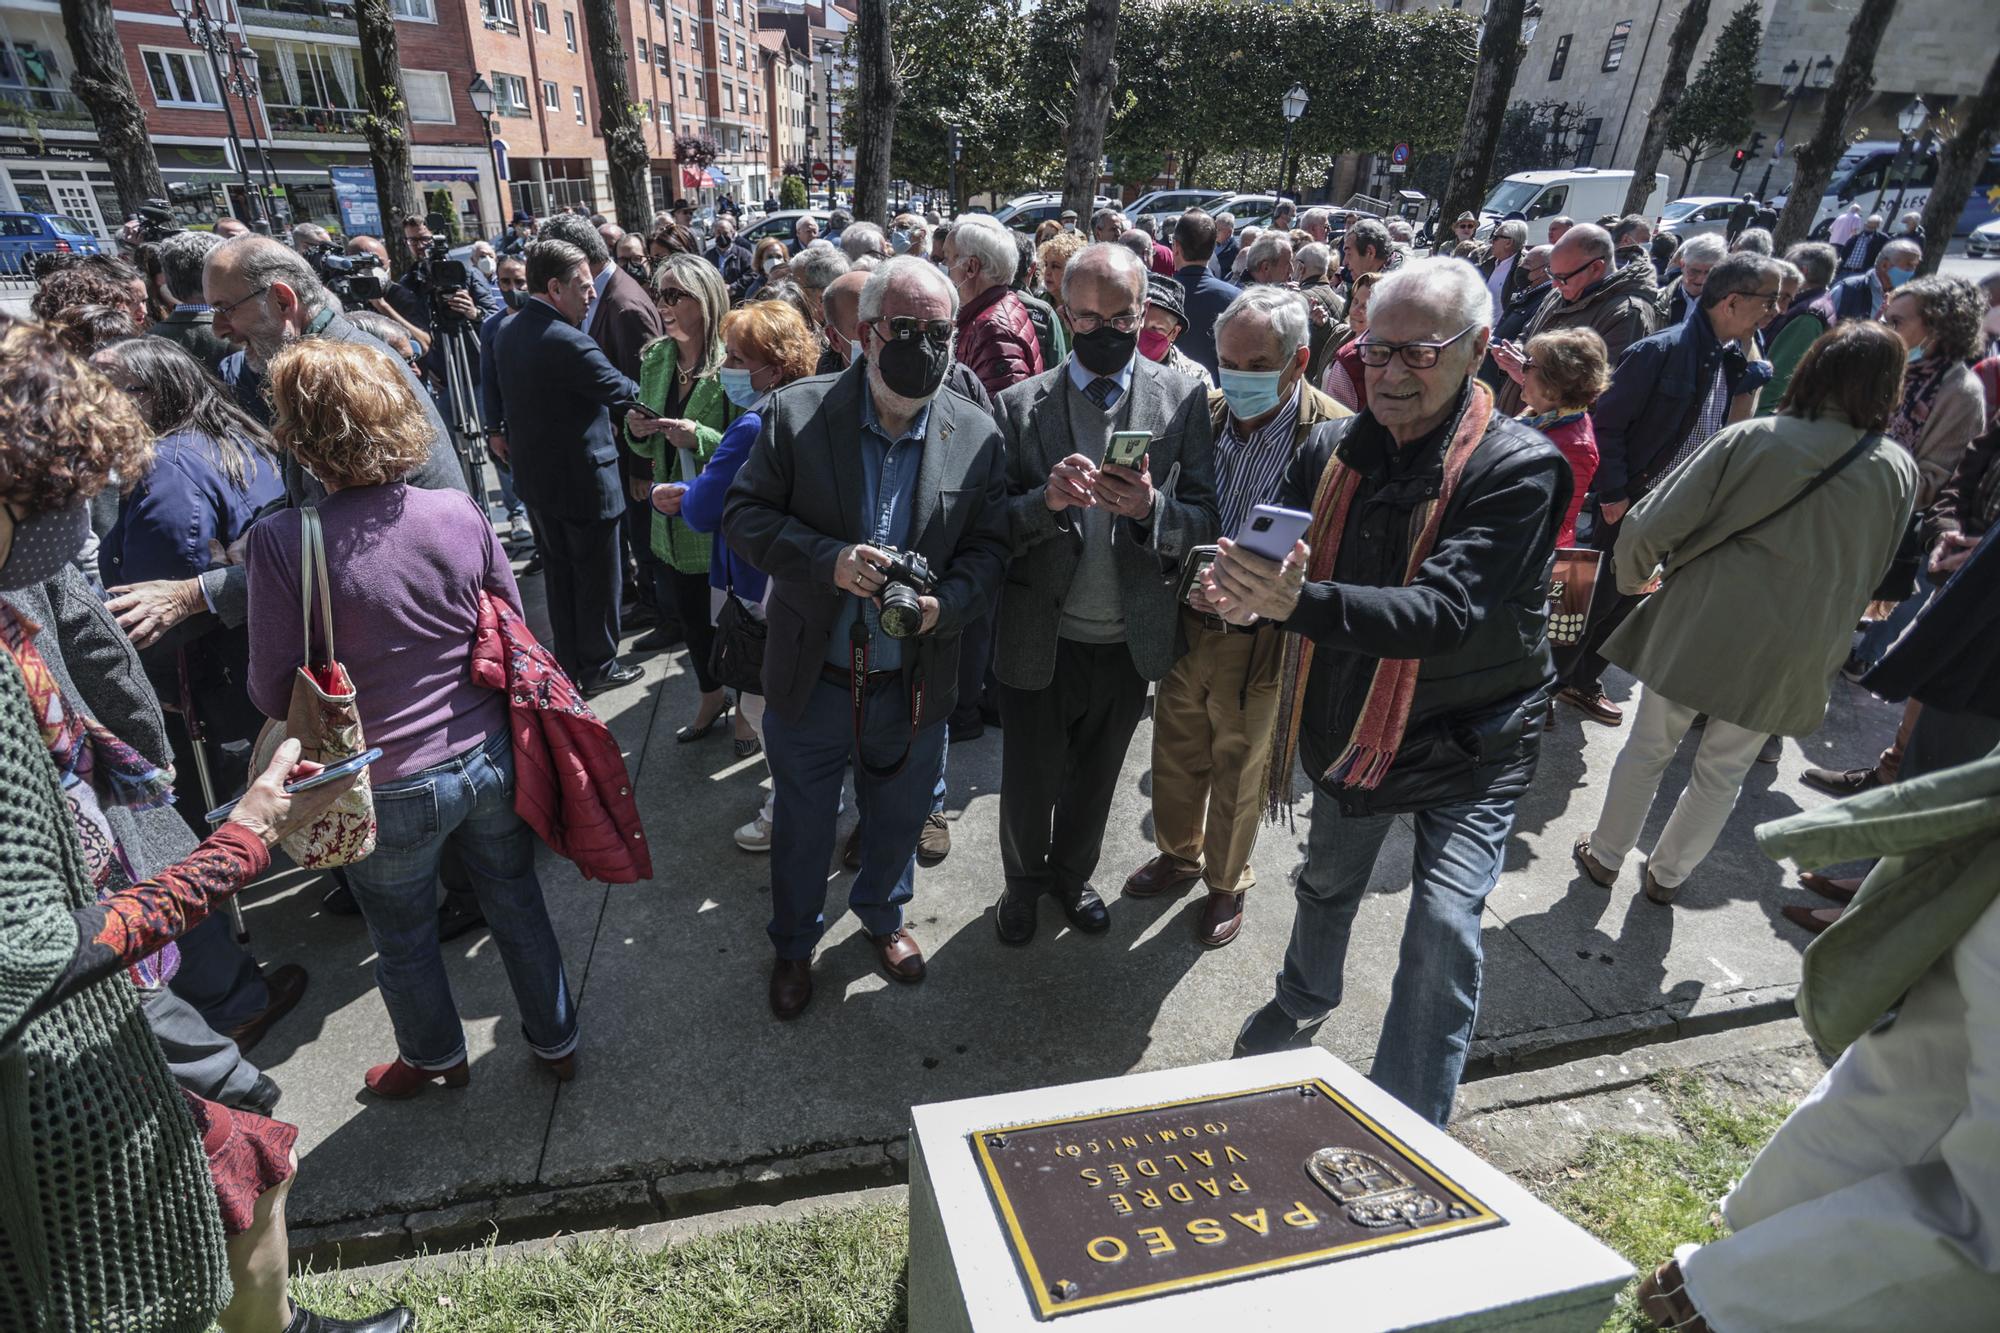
(1212, 715)
(851, 470)
(1269, 258)
(1416, 677)
(996, 334)
(1501, 265)
(864, 240)
(1226, 243)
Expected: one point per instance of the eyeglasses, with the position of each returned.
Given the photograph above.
(1086, 323)
(908, 328)
(1769, 300)
(1417, 356)
(1565, 277)
(222, 311)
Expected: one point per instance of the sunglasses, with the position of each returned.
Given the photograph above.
(908, 328)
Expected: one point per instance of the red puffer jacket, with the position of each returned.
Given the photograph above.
(996, 339)
(570, 782)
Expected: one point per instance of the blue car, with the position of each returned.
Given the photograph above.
(25, 235)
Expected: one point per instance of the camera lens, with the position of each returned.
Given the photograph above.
(901, 615)
(1261, 524)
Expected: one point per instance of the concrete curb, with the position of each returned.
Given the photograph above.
(1529, 1068)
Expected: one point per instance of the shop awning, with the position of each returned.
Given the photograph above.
(693, 178)
(717, 176)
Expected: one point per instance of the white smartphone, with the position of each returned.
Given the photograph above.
(1271, 530)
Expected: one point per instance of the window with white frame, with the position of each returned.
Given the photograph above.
(540, 12)
(179, 79)
(729, 96)
(684, 83)
(501, 13)
(569, 29)
(677, 31)
(510, 95)
(427, 93)
(662, 59)
(576, 98)
(645, 57)
(722, 44)
(417, 11)
(551, 96)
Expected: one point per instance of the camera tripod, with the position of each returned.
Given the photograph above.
(460, 343)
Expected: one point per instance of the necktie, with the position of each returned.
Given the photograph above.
(1101, 391)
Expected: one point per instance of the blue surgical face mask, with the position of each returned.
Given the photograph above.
(1915, 354)
(854, 353)
(737, 384)
(1899, 276)
(1251, 393)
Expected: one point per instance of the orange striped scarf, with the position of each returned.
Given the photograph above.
(1371, 749)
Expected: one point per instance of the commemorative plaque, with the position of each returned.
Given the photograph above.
(1119, 1206)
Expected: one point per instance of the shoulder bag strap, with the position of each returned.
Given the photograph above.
(1826, 474)
(312, 559)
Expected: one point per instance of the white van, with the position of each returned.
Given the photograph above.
(1582, 194)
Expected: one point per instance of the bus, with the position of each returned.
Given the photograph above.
(1868, 174)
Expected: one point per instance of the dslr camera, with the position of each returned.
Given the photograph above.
(354, 279)
(905, 578)
(157, 222)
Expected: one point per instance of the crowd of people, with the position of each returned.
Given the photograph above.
(886, 488)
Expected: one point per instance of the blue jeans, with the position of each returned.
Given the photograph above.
(809, 759)
(509, 502)
(1435, 997)
(467, 801)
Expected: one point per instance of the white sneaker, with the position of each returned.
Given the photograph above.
(755, 836)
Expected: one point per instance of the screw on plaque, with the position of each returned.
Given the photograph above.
(1062, 1291)
(996, 1140)
(1307, 1090)
(1460, 1210)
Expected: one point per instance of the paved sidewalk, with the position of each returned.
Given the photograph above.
(684, 1075)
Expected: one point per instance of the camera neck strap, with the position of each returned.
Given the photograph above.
(857, 692)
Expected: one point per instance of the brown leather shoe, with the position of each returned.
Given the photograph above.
(1664, 1301)
(1221, 917)
(850, 855)
(901, 957)
(1659, 892)
(285, 985)
(791, 987)
(1600, 874)
(1593, 705)
(1841, 781)
(1165, 873)
(1810, 918)
(1838, 890)
(934, 839)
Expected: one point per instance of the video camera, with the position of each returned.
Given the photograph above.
(437, 275)
(157, 221)
(355, 279)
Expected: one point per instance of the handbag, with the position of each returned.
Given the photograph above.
(737, 660)
(1572, 583)
(324, 719)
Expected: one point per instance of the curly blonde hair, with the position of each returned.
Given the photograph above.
(777, 334)
(64, 428)
(346, 413)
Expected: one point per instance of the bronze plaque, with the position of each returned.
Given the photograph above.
(1121, 1205)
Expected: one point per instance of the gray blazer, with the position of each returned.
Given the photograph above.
(1034, 418)
(798, 501)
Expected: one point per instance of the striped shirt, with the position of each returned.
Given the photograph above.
(1250, 472)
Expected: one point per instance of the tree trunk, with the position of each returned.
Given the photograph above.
(1680, 55)
(387, 125)
(872, 128)
(618, 118)
(106, 89)
(1492, 85)
(1958, 166)
(1852, 83)
(1096, 76)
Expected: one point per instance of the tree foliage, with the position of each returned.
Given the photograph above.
(792, 192)
(1716, 110)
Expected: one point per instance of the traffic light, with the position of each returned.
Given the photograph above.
(1756, 142)
(1739, 158)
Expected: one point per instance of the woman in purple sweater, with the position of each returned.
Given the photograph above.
(406, 568)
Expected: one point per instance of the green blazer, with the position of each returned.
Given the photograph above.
(1939, 840)
(711, 411)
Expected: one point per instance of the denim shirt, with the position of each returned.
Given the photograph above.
(889, 488)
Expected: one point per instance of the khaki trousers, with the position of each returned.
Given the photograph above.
(1212, 722)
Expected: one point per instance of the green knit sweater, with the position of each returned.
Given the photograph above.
(107, 1214)
(711, 411)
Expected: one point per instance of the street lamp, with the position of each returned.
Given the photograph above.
(1293, 106)
(480, 92)
(1818, 75)
(212, 36)
(1910, 122)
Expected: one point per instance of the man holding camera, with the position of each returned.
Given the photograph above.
(877, 504)
(422, 299)
(1090, 612)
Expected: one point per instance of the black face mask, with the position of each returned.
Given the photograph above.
(913, 367)
(514, 297)
(1104, 350)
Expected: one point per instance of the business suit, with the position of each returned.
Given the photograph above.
(800, 499)
(1069, 707)
(192, 329)
(1207, 297)
(558, 388)
(622, 321)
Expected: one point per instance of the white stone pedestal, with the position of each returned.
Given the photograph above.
(1537, 1271)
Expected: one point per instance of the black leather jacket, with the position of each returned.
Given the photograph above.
(1475, 615)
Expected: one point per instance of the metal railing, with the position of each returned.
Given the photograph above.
(323, 14)
(337, 121)
(43, 105)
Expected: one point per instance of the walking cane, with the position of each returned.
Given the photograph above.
(198, 744)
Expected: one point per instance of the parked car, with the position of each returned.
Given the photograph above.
(1251, 210)
(1984, 243)
(781, 223)
(1166, 206)
(25, 235)
(1029, 211)
(1697, 215)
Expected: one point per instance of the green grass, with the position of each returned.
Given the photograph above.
(1643, 1194)
(842, 1270)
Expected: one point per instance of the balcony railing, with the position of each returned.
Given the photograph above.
(304, 15)
(43, 106)
(334, 122)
